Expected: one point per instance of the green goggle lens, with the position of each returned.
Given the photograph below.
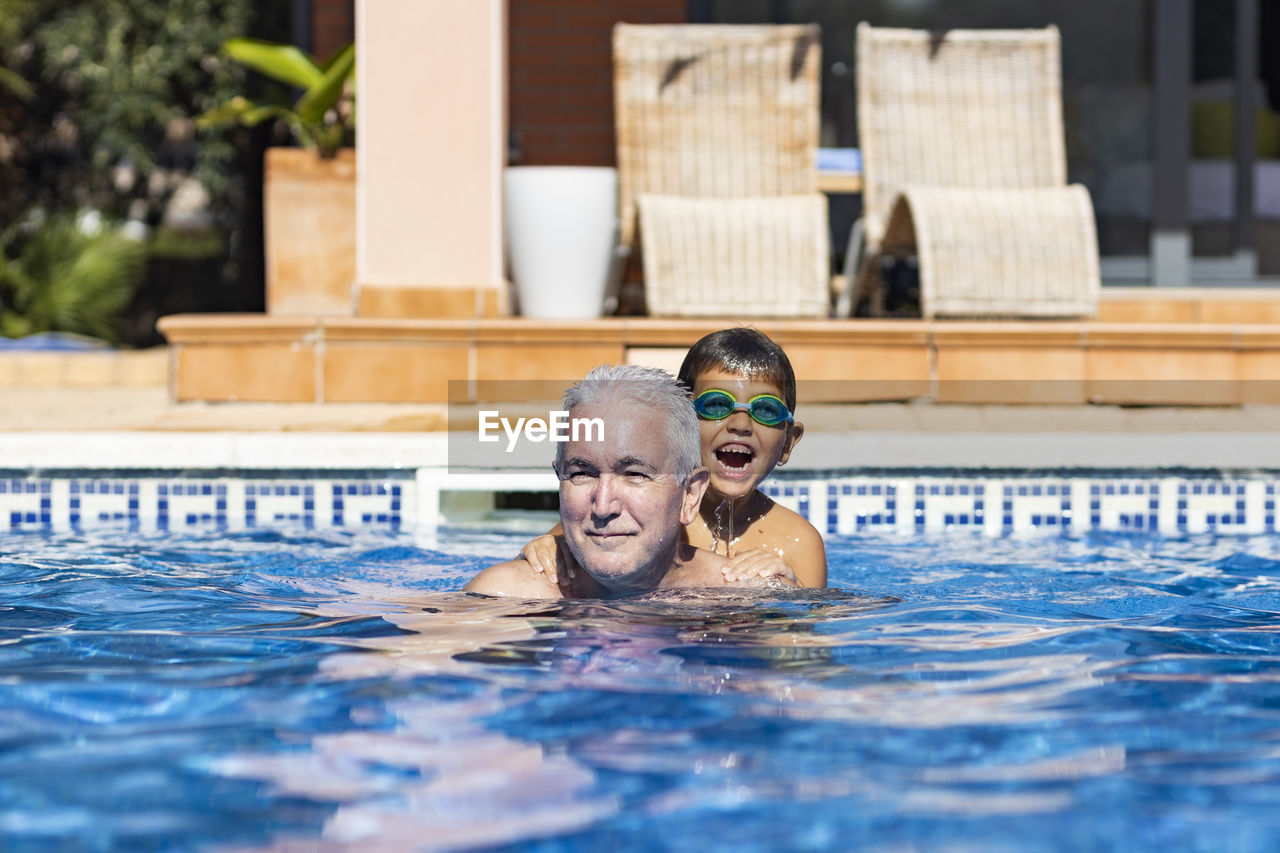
(764, 409)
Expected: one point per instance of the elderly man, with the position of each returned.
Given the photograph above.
(623, 499)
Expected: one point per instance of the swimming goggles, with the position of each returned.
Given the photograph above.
(765, 409)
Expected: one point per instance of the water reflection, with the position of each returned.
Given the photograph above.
(1081, 694)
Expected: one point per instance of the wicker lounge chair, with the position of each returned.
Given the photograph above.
(965, 166)
(717, 131)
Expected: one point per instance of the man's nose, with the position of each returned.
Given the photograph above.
(605, 500)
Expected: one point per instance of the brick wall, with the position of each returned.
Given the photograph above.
(561, 75)
(332, 25)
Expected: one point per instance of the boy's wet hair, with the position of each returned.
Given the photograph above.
(745, 352)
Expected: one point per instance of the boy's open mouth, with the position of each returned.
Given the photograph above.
(735, 460)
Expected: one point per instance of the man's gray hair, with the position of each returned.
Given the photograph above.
(649, 388)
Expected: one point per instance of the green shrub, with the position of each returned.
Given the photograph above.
(118, 85)
(59, 276)
(14, 18)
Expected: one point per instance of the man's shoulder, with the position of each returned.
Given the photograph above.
(706, 560)
(515, 579)
(695, 567)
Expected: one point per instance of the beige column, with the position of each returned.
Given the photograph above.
(430, 149)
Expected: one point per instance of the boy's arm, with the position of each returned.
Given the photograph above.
(809, 557)
(513, 579)
(798, 543)
(546, 553)
(756, 564)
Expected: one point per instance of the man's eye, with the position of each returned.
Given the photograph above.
(579, 477)
(636, 476)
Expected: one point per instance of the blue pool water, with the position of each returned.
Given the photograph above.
(302, 690)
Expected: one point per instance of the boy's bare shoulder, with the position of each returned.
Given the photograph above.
(514, 579)
(794, 539)
(780, 520)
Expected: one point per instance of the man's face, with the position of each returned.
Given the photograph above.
(621, 505)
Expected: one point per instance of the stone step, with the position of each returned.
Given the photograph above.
(360, 360)
(91, 369)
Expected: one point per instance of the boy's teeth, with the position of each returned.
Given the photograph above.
(734, 458)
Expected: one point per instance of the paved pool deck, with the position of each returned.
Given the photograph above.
(129, 426)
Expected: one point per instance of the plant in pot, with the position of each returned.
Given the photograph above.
(308, 192)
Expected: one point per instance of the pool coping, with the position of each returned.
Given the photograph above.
(970, 449)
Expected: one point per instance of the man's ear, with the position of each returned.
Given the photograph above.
(694, 488)
(795, 432)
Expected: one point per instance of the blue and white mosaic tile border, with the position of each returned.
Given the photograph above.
(1001, 505)
(836, 505)
(76, 503)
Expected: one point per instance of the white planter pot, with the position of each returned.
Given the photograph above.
(562, 239)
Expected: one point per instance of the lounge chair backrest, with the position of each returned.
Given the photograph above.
(714, 111)
(957, 108)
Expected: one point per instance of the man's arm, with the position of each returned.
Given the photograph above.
(514, 580)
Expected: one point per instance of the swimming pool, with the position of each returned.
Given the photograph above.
(324, 689)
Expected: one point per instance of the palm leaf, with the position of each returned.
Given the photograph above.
(282, 62)
(258, 114)
(97, 284)
(224, 114)
(68, 281)
(338, 55)
(321, 97)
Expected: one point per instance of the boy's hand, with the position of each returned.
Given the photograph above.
(758, 563)
(542, 555)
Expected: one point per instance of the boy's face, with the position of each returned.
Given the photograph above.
(737, 451)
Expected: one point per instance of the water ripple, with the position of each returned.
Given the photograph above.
(286, 690)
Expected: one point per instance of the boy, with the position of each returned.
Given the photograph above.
(744, 392)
